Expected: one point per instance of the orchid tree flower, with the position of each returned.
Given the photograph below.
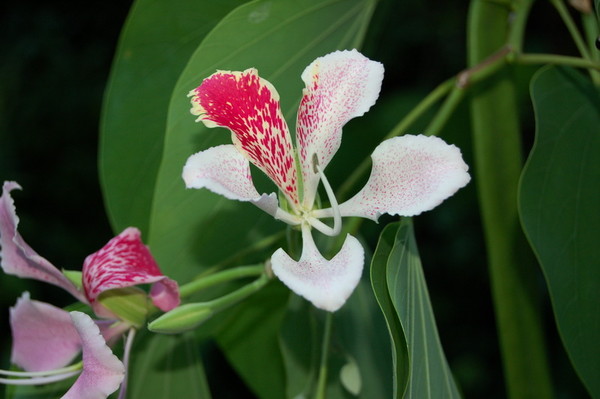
(46, 338)
(410, 174)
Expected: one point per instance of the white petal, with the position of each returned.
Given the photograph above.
(102, 372)
(327, 284)
(225, 171)
(410, 175)
(339, 86)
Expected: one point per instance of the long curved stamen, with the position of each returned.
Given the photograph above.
(287, 217)
(40, 377)
(337, 217)
(126, 352)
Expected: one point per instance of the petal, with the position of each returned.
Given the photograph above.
(410, 175)
(102, 371)
(123, 262)
(325, 283)
(339, 86)
(248, 106)
(43, 336)
(17, 257)
(225, 171)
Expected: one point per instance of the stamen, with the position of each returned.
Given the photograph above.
(40, 377)
(337, 217)
(126, 352)
(287, 217)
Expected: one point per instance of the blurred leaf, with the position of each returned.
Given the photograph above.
(429, 376)
(155, 44)
(379, 282)
(249, 338)
(167, 367)
(559, 201)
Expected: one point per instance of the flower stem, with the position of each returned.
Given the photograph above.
(219, 278)
(570, 24)
(236, 296)
(557, 60)
(322, 380)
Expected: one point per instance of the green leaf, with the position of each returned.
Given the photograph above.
(155, 44)
(558, 200)
(167, 367)
(429, 375)
(380, 288)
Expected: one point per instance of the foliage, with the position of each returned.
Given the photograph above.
(385, 341)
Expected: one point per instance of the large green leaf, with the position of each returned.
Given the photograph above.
(559, 200)
(429, 374)
(166, 367)
(156, 42)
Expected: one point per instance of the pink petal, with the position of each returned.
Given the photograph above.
(123, 262)
(249, 107)
(339, 86)
(325, 283)
(102, 371)
(224, 170)
(410, 175)
(43, 336)
(17, 257)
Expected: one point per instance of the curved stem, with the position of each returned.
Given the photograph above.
(219, 278)
(322, 380)
(556, 60)
(570, 24)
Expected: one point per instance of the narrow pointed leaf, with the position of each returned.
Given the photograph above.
(430, 376)
(559, 200)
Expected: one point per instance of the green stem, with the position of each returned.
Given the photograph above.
(556, 60)
(219, 278)
(236, 296)
(322, 380)
(498, 162)
(445, 112)
(566, 17)
(590, 27)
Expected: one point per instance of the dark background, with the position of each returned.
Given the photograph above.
(55, 62)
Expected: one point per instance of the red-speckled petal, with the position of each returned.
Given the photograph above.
(410, 175)
(339, 86)
(123, 262)
(102, 371)
(17, 257)
(43, 336)
(327, 284)
(225, 171)
(248, 106)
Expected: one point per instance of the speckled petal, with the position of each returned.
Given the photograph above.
(327, 284)
(410, 175)
(225, 171)
(123, 262)
(102, 371)
(248, 106)
(339, 86)
(43, 336)
(17, 256)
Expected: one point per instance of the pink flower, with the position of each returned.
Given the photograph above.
(46, 337)
(410, 174)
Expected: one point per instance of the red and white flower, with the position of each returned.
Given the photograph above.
(45, 337)
(410, 174)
